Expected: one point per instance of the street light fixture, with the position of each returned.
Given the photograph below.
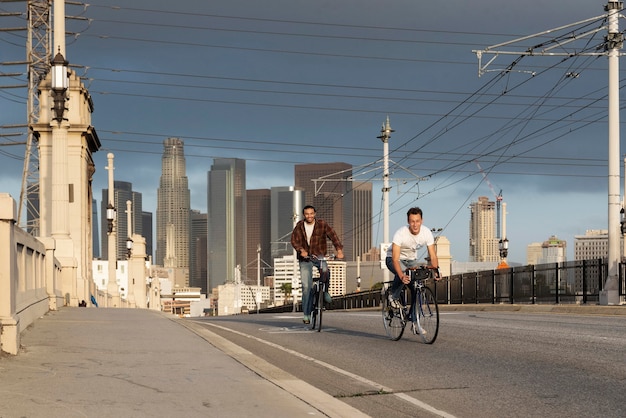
(110, 216)
(60, 84)
(504, 247)
(129, 247)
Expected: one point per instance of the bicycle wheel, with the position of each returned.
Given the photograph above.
(392, 319)
(320, 306)
(313, 296)
(428, 315)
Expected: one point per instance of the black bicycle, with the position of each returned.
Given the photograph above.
(318, 289)
(417, 305)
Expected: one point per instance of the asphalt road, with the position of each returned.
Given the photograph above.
(483, 363)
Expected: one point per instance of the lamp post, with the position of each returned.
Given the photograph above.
(112, 291)
(385, 134)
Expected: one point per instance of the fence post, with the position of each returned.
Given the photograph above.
(557, 283)
(533, 284)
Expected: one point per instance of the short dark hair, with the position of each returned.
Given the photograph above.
(414, 211)
(308, 207)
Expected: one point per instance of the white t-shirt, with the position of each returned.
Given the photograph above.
(410, 244)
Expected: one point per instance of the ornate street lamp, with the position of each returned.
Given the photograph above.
(110, 216)
(60, 84)
(129, 247)
(504, 247)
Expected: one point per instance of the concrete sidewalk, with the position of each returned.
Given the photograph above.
(89, 362)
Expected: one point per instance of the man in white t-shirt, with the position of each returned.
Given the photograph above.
(402, 253)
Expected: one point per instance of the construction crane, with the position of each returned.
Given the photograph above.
(498, 197)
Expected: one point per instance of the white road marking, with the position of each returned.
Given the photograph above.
(351, 375)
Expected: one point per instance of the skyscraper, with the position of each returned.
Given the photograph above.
(484, 245)
(258, 232)
(362, 218)
(173, 207)
(226, 204)
(198, 251)
(332, 195)
(123, 192)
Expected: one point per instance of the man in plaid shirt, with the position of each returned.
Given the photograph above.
(309, 238)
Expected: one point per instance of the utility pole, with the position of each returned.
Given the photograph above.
(614, 39)
(609, 295)
(258, 277)
(385, 135)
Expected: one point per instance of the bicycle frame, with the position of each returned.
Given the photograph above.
(419, 306)
(318, 287)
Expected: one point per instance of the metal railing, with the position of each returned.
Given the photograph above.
(574, 282)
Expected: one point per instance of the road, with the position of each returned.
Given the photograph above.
(483, 363)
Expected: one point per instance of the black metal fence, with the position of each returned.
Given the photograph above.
(554, 283)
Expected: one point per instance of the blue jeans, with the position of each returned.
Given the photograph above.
(306, 277)
(396, 287)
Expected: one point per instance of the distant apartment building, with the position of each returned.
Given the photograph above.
(484, 244)
(533, 253)
(594, 244)
(553, 250)
(173, 208)
(226, 207)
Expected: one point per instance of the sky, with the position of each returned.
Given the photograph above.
(285, 82)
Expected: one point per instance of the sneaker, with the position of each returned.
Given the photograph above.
(394, 303)
(327, 297)
(419, 330)
(306, 319)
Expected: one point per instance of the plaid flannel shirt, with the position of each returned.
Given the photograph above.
(321, 231)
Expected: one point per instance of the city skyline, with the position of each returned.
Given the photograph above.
(297, 85)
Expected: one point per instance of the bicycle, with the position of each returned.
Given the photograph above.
(318, 289)
(418, 306)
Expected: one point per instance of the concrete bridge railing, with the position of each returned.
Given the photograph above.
(28, 277)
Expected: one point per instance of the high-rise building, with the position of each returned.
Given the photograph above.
(483, 246)
(226, 204)
(287, 204)
(258, 208)
(328, 187)
(122, 192)
(198, 251)
(362, 218)
(173, 208)
(553, 250)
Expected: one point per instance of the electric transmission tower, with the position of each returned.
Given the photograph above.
(38, 61)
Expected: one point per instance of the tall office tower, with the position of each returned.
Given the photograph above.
(95, 236)
(122, 192)
(173, 206)
(198, 253)
(146, 232)
(226, 203)
(331, 194)
(362, 218)
(483, 244)
(287, 204)
(258, 233)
